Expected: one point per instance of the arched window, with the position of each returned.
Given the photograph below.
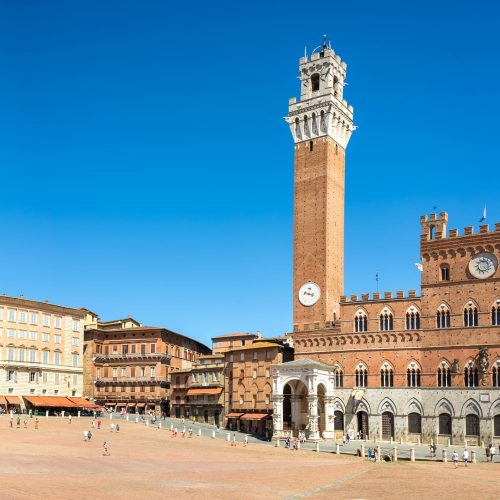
(314, 124)
(470, 314)
(445, 272)
(315, 82)
(360, 321)
(445, 424)
(412, 319)
(306, 126)
(298, 132)
(322, 121)
(471, 425)
(386, 320)
(432, 232)
(386, 376)
(443, 317)
(413, 375)
(444, 375)
(471, 375)
(339, 377)
(414, 423)
(495, 374)
(495, 313)
(361, 376)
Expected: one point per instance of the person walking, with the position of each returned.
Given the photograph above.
(492, 453)
(99, 424)
(454, 457)
(36, 423)
(18, 422)
(25, 423)
(105, 449)
(246, 441)
(85, 435)
(93, 423)
(465, 457)
(69, 418)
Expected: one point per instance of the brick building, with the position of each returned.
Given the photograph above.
(388, 366)
(129, 366)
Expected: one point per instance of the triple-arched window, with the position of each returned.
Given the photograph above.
(495, 374)
(470, 314)
(443, 317)
(339, 377)
(471, 375)
(495, 313)
(386, 320)
(360, 321)
(361, 375)
(386, 375)
(413, 375)
(444, 375)
(412, 319)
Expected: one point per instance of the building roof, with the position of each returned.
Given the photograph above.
(235, 334)
(256, 345)
(42, 305)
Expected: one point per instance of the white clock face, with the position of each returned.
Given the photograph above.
(309, 294)
(483, 265)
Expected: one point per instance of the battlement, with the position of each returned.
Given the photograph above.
(377, 296)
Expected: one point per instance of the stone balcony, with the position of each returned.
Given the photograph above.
(102, 381)
(136, 357)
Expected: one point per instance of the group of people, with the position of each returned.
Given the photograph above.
(293, 443)
(174, 432)
(18, 421)
(491, 452)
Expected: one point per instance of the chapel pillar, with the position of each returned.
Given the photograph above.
(277, 416)
(329, 431)
(312, 404)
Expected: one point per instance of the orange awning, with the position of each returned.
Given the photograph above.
(254, 416)
(13, 400)
(82, 402)
(141, 405)
(3, 401)
(234, 415)
(50, 401)
(204, 390)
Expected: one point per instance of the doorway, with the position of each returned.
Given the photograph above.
(363, 423)
(387, 426)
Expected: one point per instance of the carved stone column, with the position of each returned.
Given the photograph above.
(277, 416)
(329, 431)
(312, 404)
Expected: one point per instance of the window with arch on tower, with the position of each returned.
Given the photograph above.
(444, 270)
(495, 313)
(412, 319)
(470, 315)
(386, 376)
(495, 374)
(471, 375)
(444, 375)
(361, 376)
(361, 321)
(315, 82)
(386, 320)
(339, 377)
(443, 317)
(413, 375)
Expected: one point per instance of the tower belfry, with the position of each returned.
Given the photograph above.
(321, 124)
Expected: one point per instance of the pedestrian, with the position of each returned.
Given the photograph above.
(99, 424)
(11, 422)
(69, 418)
(465, 456)
(89, 435)
(183, 431)
(488, 452)
(233, 442)
(112, 427)
(175, 432)
(105, 449)
(36, 423)
(18, 422)
(190, 432)
(117, 428)
(25, 423)
(93, 423)
(85, 435)
(492, 453)
(454, 457)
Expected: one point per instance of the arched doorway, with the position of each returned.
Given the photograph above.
(339, 424)
(496, 426)
(287, 407)
(445, 424)
(387, 425)
(217, 418)
(362, 417)
(295, 406)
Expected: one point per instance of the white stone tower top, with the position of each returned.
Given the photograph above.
(321, 110)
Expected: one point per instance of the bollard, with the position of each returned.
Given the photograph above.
(111, 416)
(317, 445)
(395, 454)
(79, 413)
(46, 413)
(473, 457)
(337, 448)
(445, 456)
(126, 417)
(159, 425)
(136, 420)
(378, 453)
(147, 422)
(401, 440)
(277, 443)
(465, 443)
(362, 451)
(392, 440)
(412, 454)
(213, 434)
(419, 440)
(171, 427)
(228, 437)
(449, 442)
(482, 444)
(199, 432)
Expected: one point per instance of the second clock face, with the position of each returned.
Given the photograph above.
(483, 265)
(309, 294)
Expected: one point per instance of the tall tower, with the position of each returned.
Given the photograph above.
(321, 125)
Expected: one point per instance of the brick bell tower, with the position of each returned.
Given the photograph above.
(321, 124)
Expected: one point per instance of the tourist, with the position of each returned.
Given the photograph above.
(25, 423)
(98, 424)
(105, 449)
(175, 432)
(18, 422)
(465, 456)
(454, 457)
(69, 418)
(246, 440)
(93, 423)
(488, 452)
(117, 428)
(36, 423)
(86, 435)
(233, 443)
(492, 453)
(183, 431)
(190, 432)
(112, 427)
(11, 419)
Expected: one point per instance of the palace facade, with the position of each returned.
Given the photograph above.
(389, 366)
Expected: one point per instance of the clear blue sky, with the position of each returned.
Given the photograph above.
(147, 170)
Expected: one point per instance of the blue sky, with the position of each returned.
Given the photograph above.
(147, 170)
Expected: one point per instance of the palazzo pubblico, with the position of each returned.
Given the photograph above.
(388, 366)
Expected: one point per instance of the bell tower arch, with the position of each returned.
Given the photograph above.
(321, 123)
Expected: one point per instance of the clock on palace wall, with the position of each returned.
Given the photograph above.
(309, 294)
(483, 265)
